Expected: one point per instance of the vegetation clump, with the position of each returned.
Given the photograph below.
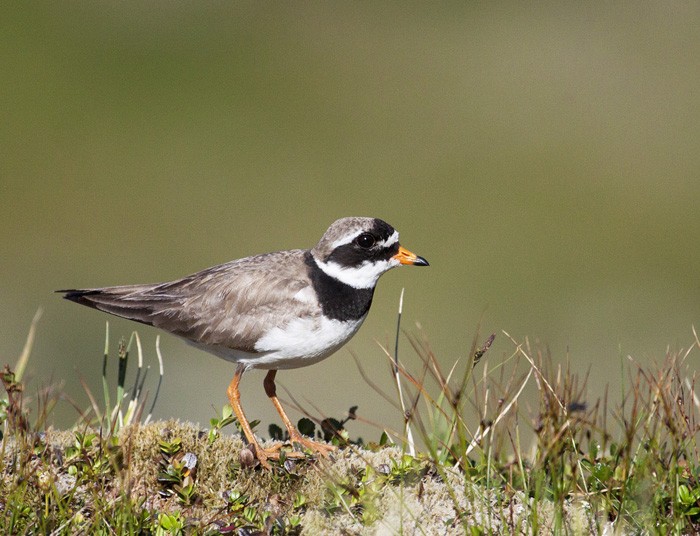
(592, 468)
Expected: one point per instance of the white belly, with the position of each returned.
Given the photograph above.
(302, 342)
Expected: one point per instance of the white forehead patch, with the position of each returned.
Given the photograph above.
(392, 239)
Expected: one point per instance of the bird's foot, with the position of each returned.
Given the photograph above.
(275, 451)
(323, 449)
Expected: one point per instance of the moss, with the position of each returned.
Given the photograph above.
(355, 491)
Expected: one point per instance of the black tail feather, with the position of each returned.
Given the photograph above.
(112, 300)
(80, 296)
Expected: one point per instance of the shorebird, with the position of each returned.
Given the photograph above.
(274, 311)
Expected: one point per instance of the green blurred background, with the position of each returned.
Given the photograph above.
(544, 158)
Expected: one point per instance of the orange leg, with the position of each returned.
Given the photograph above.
(294, 436)
(234, 397)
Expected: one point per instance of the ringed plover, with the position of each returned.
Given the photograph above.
(273, 311)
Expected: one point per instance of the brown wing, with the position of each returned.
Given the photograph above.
(230, 305)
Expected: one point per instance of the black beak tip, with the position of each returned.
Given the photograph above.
(420, 261)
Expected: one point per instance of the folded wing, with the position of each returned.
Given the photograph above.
(231, 305)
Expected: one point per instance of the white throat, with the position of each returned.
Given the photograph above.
(363, 276)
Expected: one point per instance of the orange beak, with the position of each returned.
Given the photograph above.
(406, 257)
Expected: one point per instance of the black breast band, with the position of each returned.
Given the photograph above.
(338, 300)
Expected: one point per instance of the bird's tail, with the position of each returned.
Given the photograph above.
(135, 302)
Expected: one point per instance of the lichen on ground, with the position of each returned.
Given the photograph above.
(171, 477)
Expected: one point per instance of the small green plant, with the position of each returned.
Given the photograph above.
(89, 456)
(406, 470)
(170, 524)
(359, 493)
(170, 447)
(178, 471)
(298, 508)
(217, 423)
(236, 501)
(688, 502)
(244, 515)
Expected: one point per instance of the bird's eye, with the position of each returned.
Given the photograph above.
(365, 240)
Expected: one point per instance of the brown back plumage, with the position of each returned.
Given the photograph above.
(230, 305)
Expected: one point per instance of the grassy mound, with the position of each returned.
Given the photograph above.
(457, 467)
(166, 477)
